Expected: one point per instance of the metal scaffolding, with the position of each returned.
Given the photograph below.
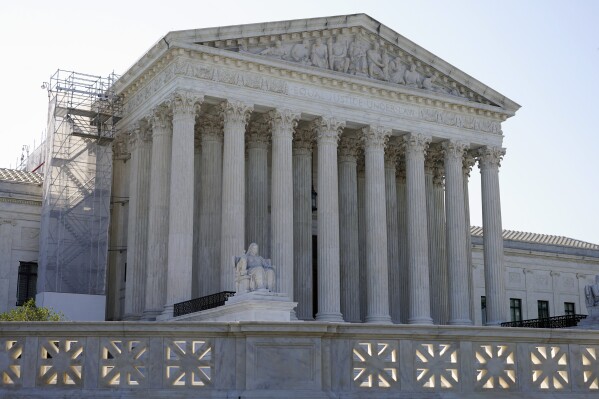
(82, 116)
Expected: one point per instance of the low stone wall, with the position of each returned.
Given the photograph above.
(293, 360)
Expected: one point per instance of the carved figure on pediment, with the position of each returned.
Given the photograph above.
(357, 55)
(300, 52)
(397, 70)
(412, 77)
(319, 54)
(338, 57)
(277, 51)
(253, 272)
(376, 67)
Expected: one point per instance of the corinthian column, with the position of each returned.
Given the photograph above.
(180, 238)
(489, 159)
(236, 115)
(438, 235)
(362, 233)
(158, 221)
(457, 259)
(377, 272)
(302, 222)
(391, 155)
(436, 260)
(211, 172)
(256, 228)
(401, 312)
(140, 144)
(283, 124)
(418, 273)
(469, 162)
(329, 309)
(348, 229)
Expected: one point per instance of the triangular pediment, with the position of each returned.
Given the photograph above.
(353, 45)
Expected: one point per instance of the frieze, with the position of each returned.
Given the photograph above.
(256, 81)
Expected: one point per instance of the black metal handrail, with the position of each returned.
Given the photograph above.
(202, 303)
(564, 321)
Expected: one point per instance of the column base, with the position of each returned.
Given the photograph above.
(330, 317)
(420, 320)
(460, 322)
(167, 313)
(150, 315)
(378, 319)
(131, 317)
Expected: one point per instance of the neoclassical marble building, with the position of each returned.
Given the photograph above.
(234, 132)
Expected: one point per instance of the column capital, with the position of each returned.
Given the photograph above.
(375, 137)
(161, 120)
(349, 148)
(490, 157)
(236, 111)
(415, 143)
(453, 149)
(438, 175)
(328, 129)
(211, 127)
(303, 139)
(120, 147)
(433, 159)
(283, 122)
(138, 135)
(392, 152)
(468, 162)
(185, 103)
(259, 132)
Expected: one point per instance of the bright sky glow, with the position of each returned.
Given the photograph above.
(542, 54)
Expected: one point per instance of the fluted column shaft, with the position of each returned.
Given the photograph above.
(180, 241)
(469, 161)
(256, 228)
(211, 172)
(440, 243)
(401, 312)
(158, 221)
(437, 265)
(489, 160)
(377, 272)
(283, 125)
(197, 165)
(329, 306)
(391, 153)
(236, 115)
(457, 259)
(302, 223)
(348, 229)
(140, 142)
(418, 273)
(362, 235)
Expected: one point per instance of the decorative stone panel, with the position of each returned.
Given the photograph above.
(123, 362)
(549, 366)
(589, 357)
(436, 365)
(375, 364)
(11, 351)
(188, 363)
(60, 363)
(495, 366)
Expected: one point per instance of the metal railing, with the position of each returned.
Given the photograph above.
(202, 303)
(564, 321)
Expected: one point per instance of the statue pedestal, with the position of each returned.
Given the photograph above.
(592, 320)
(258, 305)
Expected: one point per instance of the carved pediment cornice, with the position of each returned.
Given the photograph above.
(431, 79)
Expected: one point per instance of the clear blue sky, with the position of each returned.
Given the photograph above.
(542, 54)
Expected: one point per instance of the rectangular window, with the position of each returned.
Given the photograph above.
(27, 282)
(569, 308)
(483, 309)
(543, 307)
(516, 309)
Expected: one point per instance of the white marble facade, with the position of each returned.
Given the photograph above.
(231, 129)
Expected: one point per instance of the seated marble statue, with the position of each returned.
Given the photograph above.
(253, 272)
(591, 292)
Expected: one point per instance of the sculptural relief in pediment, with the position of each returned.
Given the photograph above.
(359, 55)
